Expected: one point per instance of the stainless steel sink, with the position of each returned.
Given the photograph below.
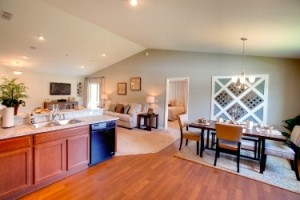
(44, 124)
(74, 121)
(55, 123)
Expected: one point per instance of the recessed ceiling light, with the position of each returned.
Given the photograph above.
(82, 67)
(24, 57)
(17, 72)
(40, 37)
(133, 2)
(103, 55)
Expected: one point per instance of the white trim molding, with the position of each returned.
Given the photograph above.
(250, 103)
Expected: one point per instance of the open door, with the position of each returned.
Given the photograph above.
(177, 98)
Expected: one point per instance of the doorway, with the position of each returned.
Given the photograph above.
(177, 98)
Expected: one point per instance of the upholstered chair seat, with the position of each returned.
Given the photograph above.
(191, 135)
(277, 149)
(281, 150)
(232, 145)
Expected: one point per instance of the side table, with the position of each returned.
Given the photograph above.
(148, 121)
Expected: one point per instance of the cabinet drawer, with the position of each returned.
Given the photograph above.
(60, 134)
(15, 143)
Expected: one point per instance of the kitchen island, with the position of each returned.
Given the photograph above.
(32, 157)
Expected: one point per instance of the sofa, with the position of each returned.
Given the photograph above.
(126, 112)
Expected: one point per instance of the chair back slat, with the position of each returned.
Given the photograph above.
(229, 132)
(295, 136)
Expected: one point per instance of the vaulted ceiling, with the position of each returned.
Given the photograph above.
(82, 37)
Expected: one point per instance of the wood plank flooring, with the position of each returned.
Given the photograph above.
(158, 176)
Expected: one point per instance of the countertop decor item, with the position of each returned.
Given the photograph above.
(12, 93)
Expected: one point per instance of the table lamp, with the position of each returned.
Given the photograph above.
(104, 97)
(150, 100)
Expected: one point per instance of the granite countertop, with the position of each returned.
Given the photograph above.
(27, 129)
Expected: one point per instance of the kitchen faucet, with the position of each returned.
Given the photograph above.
(53, 115)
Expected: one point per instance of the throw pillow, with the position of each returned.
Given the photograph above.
(126, 109)
(120, 108)
(172, 102)
(112, 107)
(134, 108)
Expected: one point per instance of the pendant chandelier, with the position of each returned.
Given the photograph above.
(242, 82)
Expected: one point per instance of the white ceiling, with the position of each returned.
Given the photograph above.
(78, 32)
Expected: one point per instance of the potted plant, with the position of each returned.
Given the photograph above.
(11, 93)
(290, 124)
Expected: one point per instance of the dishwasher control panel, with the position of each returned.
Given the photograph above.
(103, 125)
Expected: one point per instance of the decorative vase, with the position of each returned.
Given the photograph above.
(8, 117)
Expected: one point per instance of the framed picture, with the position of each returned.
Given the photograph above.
(122, 88)
(135, 84)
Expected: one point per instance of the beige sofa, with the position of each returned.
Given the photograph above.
(126, 119)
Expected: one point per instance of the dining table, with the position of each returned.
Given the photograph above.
(261, 134)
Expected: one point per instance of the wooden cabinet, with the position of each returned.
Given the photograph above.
(15, 165)
(61, 105)
(31, 162)
(60, 153)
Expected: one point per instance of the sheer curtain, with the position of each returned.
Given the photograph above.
(93, 88)
(177, 90)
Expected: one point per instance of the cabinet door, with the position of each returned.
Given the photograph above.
(77, 152)
(15, 165)
(49, 160)
(15, 171)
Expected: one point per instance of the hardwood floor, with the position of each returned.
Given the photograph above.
(158, 176)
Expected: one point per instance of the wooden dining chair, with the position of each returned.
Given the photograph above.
(186, 133)
(251, 144)
(281, 150)
(228, 141)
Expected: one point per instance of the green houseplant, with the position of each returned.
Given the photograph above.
(290, 124)
(12, 93)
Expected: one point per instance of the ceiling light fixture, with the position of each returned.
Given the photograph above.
(40, 37)
(82, 67)
(17, 72)
(133, 2)
(103, 55)
(240, 81)
(24, 57)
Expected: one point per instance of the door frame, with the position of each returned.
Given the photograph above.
(186, 105)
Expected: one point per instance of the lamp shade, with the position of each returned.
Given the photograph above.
(150, 99)
(104, 96)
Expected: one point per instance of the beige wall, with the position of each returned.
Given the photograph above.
(39, 87)
(154, 69)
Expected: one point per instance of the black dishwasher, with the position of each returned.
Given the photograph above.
(102, 141)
